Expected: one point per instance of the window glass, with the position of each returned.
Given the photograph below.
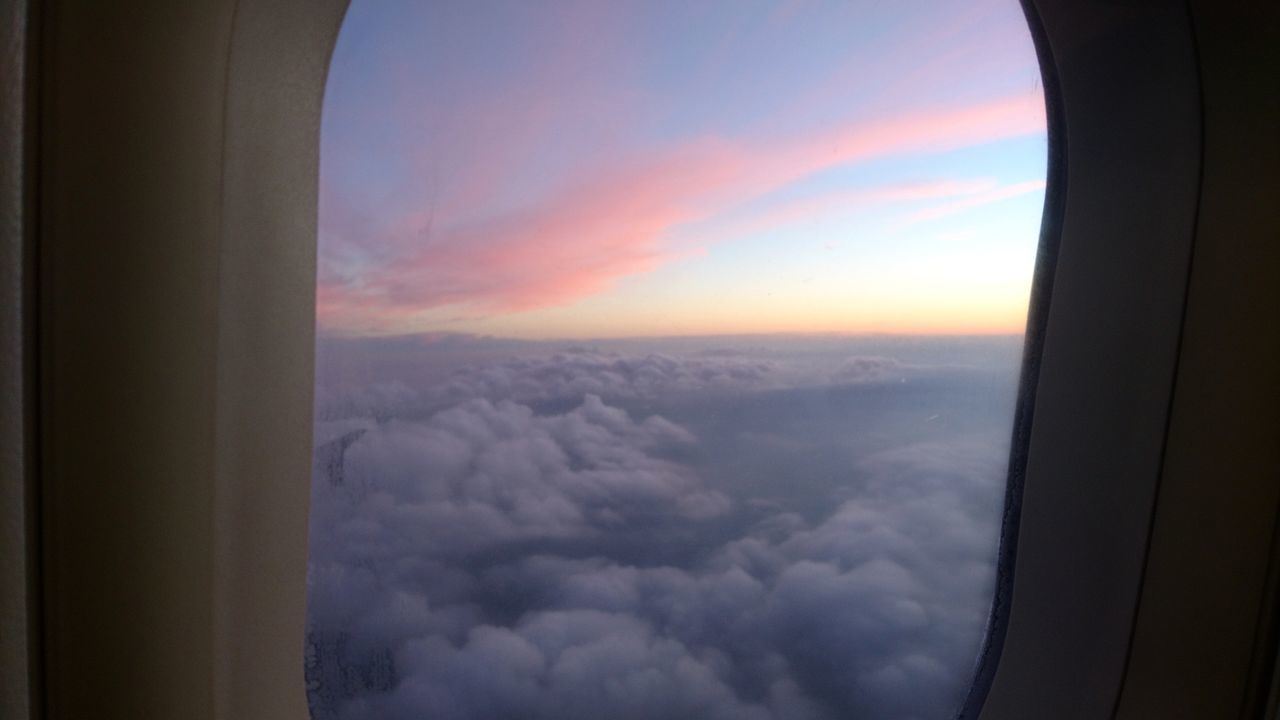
(667, 355)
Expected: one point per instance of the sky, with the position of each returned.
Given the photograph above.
(599, 170)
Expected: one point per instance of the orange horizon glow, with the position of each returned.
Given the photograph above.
(1003, 319)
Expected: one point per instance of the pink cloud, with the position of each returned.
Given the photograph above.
(987, 197)
(614, 221)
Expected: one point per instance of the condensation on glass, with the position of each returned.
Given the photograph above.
(667, 356)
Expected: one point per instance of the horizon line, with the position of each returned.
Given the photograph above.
(440, 335)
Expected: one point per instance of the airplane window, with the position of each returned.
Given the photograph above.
(667, 356)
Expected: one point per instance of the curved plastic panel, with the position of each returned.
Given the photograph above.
(130, 130)
(275, 84)
(178, 202)
(1205, 640)
(1129, 90)
(18, 609)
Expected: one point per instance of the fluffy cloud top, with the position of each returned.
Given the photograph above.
(603, 373)
(574, 373)
(489, 560)
(483, 474)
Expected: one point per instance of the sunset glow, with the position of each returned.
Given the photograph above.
(594, 170)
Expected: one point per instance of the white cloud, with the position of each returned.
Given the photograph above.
(489, 561)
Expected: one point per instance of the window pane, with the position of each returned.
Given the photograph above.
(667, 356)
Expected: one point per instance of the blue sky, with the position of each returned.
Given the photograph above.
(589, 170)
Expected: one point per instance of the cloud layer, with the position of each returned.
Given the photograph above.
(568, 374)
(492, 560)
